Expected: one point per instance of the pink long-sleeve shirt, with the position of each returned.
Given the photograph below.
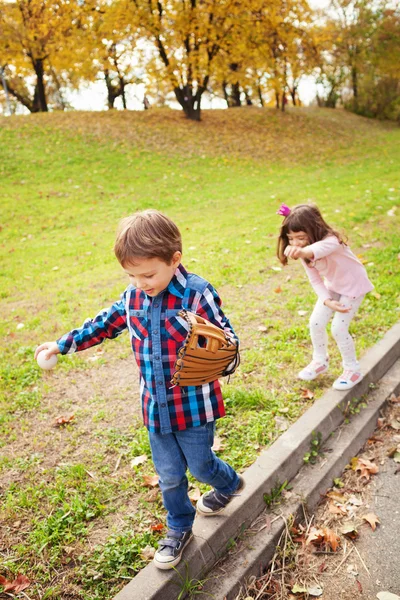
(336, 269)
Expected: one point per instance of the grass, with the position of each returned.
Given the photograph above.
(75, 516)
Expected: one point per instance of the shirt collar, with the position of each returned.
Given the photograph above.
(177, 285)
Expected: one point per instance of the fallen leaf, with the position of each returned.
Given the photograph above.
(20, 583)
(148, 552)
(315, 535)
(395, 424)
(349, 530)
(359, 586)
(306, 393)
(336, 510)
(262, 328)
(331, 538)
(138, 460)
(278, 290)
(302, 313)
(396, 457)
(150, 480)
(157, 527)
(371, 519)
(60, 421)
(218, 444)
(366, 468)
(315, 591)
(299, 589)
(336, 496)
(195, 495)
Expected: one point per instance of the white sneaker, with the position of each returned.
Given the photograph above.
(347, 380)
(312, 370)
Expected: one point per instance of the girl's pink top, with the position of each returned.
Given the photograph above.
(336, 269)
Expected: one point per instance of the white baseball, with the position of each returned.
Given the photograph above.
(46, 364)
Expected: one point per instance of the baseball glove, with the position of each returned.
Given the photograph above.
(207, 353)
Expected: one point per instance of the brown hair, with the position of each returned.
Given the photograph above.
(307, 218)
(147, 234)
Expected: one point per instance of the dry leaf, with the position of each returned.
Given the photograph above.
(60, 421)
(366, 467)
(262, 328)
(19, 584)
(371, 519)
(331, 538)
(348, 529)
(138, 460)
(150, 480)
(218, 444)
(195, 495)
(306, 393)
(315, 535)
(336, 496)
(336, 510)
(148, 552)
(157, 527)
(278, 290)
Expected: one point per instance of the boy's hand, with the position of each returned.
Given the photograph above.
(51, 347)
(335, 305)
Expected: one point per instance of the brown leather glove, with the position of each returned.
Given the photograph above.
(207, 353)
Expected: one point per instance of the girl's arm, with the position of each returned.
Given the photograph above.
(317, 282)
(323, 248)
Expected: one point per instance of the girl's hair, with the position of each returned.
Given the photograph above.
(147, 234)
(307, 218)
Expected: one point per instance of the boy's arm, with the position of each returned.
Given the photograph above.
(209, 308)
(109, 323)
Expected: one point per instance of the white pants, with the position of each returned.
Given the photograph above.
(340, 330)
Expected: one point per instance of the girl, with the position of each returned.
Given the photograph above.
(339, 280)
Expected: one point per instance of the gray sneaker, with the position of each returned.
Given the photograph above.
(170, 549)
(214, 502)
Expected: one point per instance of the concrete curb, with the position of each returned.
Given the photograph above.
(224, 581)
(282, 461)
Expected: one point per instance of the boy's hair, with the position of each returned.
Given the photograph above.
(147, 234)
(307, 218)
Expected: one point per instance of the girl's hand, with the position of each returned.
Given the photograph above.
(335, 305)
(51, 347)
(294, 252)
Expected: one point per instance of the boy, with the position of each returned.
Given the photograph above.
(180, 420)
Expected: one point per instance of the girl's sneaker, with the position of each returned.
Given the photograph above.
(170, 549)
(347, 380)
(312, 370)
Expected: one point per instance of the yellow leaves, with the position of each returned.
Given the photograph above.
(372, 519)
(365, 466)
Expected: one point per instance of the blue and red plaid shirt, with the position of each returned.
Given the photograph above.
(157, 333)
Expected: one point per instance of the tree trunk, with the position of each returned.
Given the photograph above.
(260, 96)
(40, 91)
(190, 104)
(293, 91)
(277, 103)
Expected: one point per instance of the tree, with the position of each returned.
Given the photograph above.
(33, 34)
(188, 35)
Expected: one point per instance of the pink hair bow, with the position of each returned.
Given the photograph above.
(283, 210)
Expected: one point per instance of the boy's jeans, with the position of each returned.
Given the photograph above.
(172, 454)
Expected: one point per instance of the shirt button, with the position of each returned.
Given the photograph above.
(157, 357)
(163, 405)
(160, 382)
(155, 332)
(156, 305)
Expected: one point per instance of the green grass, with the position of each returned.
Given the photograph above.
(69, 499)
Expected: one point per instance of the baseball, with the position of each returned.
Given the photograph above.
(46, 364)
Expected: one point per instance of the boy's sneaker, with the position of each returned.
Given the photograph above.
(170, 549)
(214, 502)
(312, 370)
(347, 380)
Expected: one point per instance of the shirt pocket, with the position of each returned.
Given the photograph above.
(138, 324)
(176, 326)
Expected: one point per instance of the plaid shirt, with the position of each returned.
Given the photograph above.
(157, 333)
